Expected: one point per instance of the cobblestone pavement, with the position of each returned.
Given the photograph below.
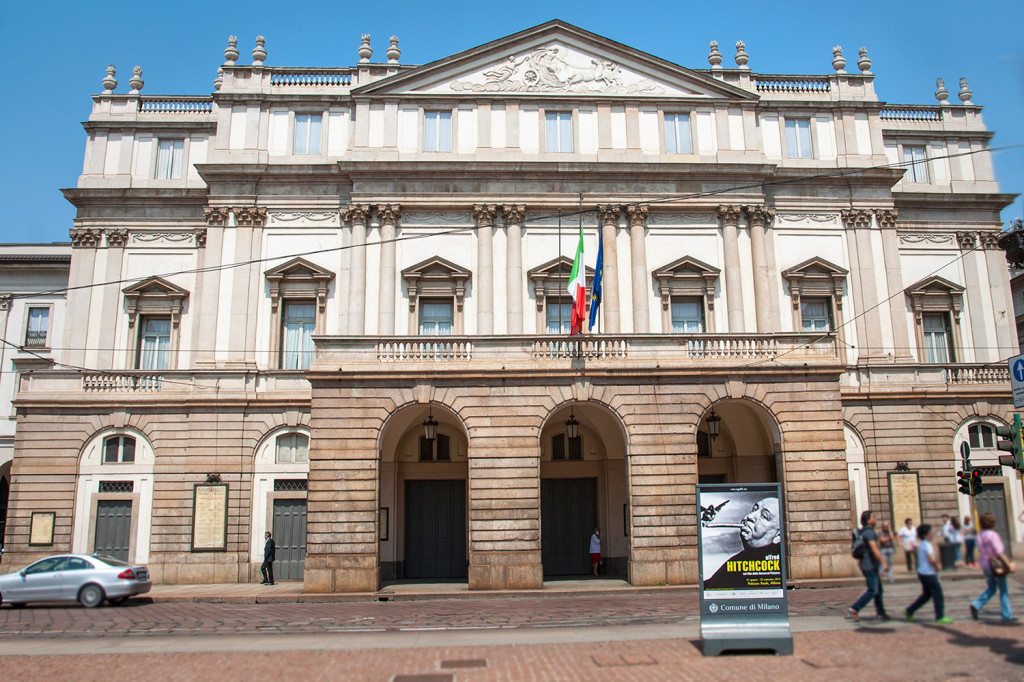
(140, 619)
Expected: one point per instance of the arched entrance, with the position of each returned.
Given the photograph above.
(423, 507)
(279, 490)
(856, 466)
(746, 448)
(583, 486)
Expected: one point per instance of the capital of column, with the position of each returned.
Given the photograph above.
(389, 213)
(637, 214)
(85, 237)
(759, 215)
(117, 237)
(250, 216)
(729, 215)
(966, 240)
(216, 215)
(514, 214)
(609, 213)
(200, 235)
(5, 301)
(484, 214)
(887, 218)
(355, 214)
(989, 239)
(856, 218)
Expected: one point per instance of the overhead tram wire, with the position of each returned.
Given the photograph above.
(665, 199)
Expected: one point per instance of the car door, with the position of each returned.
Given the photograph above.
(37, 582)
(74, 572)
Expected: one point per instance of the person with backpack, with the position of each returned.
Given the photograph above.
(867, 552)
(928, 568)
(995, 566)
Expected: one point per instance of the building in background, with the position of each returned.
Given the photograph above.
(33, 279)
(332, 302)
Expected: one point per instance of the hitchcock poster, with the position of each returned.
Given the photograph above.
(742, 549)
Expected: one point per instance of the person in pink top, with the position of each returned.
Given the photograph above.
(996, 567)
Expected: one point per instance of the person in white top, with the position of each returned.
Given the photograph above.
(595, 549)
(908, 541)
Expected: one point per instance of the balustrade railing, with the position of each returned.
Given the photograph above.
(793, 84)
(311, 77)
(97, 383)
(420, 351)
(977, 374)
(910, 112)
(175, 105)
(581, 348)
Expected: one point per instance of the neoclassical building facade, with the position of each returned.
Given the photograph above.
(338, 296)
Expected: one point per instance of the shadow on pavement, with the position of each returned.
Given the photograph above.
(1008, 648)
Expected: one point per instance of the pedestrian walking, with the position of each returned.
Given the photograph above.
(970, 542)
(595, 549)
(928, 574)
(996, 567)
(887, 543)
(908, 541)
(866, 550)
(269, 554)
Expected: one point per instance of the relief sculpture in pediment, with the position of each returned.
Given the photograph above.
(550, 70)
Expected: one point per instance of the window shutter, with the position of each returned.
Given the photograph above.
(558, 446)
(949, 338)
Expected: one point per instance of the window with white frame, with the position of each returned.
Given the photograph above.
(154, 342)
(558, 128)
(298, 321)
(306, 137)
(916, 161)
(982, 436)
(437, 317)
(437, 131)
(687, 315)
(559, 314)
(118, 449)
(815, 314)
(170, 157)
(798, 138)
(938, 338)
(37, 327)
(292, 448)
(677, 134)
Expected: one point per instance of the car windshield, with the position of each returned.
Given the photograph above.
(110, 561)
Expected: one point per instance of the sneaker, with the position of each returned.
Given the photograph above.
(945, 620)
(853, 613)
(974, 612)
(884, 617)
(909, 616)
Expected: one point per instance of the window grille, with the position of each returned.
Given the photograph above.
(117, 486)
(290, 485)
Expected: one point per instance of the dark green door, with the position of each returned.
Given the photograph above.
(435, 529)
(992, 500)
(289, 538)
(568, 516)
(113, 528)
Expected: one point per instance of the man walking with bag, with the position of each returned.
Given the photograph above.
(269, 554)
(865, 548)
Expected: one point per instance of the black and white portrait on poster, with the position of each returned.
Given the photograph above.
(741, 542)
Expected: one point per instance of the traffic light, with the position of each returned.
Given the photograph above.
(1013, 444)
(964, 481)
(976, 484)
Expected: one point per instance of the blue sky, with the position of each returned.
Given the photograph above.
(55, 54)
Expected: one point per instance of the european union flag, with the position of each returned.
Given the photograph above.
(595, 298)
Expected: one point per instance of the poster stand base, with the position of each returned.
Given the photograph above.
(768, 636)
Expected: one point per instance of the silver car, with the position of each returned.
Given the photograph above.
(87, 579)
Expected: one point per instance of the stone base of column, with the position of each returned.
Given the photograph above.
(326, 574)
(506, 571)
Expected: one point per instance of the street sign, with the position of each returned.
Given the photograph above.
(965, 453)
(1017, 379)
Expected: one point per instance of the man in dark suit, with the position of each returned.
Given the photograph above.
(267, 567)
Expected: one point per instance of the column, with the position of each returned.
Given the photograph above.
(638, 261)
(388, 215)
(980, 342)
(483, 215)
(886, 220)
(249, 222)
(356, 215)
(210, 242)
(6, 300)
(759, 218)
(610, 281)
(729, 219)
(858, 221)
(515, 215)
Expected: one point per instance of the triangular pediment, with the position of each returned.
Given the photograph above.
(436, 268)
(687, 266)
(154, 287)
(815, 267)
(299, 269)
(559, 268)
(935, 285)
(554, 59)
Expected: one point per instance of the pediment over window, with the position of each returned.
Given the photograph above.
(436, 277)
(298, 278)
(555, 58)
(154, 296)
(936, 294)
(687, 276)
(816, 277)
(552, 279)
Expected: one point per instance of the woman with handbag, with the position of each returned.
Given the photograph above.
(995, 566)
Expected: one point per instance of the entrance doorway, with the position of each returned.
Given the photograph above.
(568, 516)
(435, 529)
(290, 538)
(992, 500)
(745, 448)
(113, 528)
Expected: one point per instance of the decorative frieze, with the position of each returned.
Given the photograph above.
(311, 216)
(434, 218)
(149, 237)
(85, 237)
(823, 218)
(117, 237)
(681, 219)
(925, 238)
(856, 218)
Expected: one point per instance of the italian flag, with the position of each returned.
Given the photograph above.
(578, 290)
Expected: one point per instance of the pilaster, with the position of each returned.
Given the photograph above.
(483, 216)
(610, 285)
(729, 219)
(388, 214)
(638, 261)
(886, 220)
(357, 215)
(759, 218)
(515, 215)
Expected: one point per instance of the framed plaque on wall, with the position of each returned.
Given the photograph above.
(904, 497)
(40, 532)
(210, 517)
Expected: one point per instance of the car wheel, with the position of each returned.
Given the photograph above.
(90, 596)
(118, 601)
